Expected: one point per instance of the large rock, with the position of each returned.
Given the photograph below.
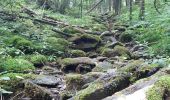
(136, 91)
(103, 87)
(34, 92)
(117, 51)
(76, 82)
(102, 66)
(77, 64)
(115, 81)
(85, 42)
(160, 90)
(47, 81)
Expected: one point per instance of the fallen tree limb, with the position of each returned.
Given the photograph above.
(60, 32)
(45, 20)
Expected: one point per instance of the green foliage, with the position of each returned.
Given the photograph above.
(10, 52)
(16, 65)
(38, 59)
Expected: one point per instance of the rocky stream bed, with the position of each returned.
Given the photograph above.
(109, 66)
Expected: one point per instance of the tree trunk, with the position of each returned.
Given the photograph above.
(142, 10)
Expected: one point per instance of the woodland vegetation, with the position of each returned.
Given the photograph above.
(84, 49)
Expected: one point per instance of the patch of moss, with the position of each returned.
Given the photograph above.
(38, 59)
(159, 90)
(84, 94)
(56, 45)
(21, 43)
(67, 61)
(139, 69)
(16, 65)
(122, 51)
(132, 65)
(77, 53)
(117, 51)
(85, 42)
(107, 52)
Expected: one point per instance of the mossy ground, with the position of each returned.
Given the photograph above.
(16, 65)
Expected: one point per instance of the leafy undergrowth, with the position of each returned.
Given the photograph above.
(154, 30)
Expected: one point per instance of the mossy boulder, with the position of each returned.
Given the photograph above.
(79, 81)
(56, 45)
(74, 81)
(14, 80)
(138, 69)
(160, 90)
(16, 65)
(110, 83)
(76, 64)
(38, 60)
(77, 53)
(85, 42)
(117, 51)
(21, 43)
(103, 87)
(102, 67)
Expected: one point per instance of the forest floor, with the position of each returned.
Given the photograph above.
(47, 58)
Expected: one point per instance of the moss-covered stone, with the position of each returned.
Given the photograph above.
(56, 45)
(21, 43)
(79, 81)
(15, 79)
(74, 81)
(117, 51)
(139, 69)
(84, 94)
(102, 67)
(102, 88)
(161, 89)
(77, 53)
(85, 42)
(71, 64)
(16, 65)
(38, 60)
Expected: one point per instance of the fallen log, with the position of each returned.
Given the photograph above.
(62, 33)
(45, 20)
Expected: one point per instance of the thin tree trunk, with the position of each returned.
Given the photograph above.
(142, 10)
